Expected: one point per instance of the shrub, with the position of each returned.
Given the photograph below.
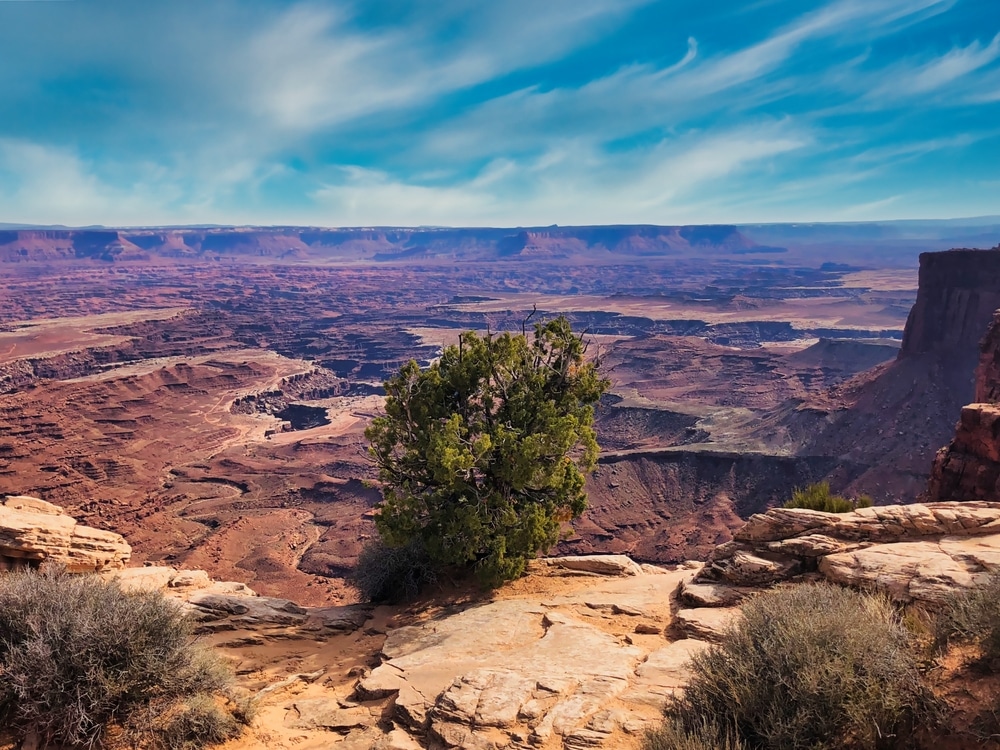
(79, 655)
(818, 497)
(198, 722)
(810, 666)
(673, 735)
(973, 616)
(483, 455)
(386, 574)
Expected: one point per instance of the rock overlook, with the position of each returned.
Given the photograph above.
(913, 553)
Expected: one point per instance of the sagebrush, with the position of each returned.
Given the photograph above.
(78, 655)
(674, 735)
(811, 666)
(973, 616)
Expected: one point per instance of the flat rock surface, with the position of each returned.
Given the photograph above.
(705, 624)
(540, 664)
(927, 571)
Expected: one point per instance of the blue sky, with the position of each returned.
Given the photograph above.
(497, 112)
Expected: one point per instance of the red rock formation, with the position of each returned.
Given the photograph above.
(957, 294)
(969, 467)
(898, 415)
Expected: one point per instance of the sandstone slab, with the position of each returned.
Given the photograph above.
(541, 672)
(928, 572)
(707, 624)
(34, 532)
(603, 565)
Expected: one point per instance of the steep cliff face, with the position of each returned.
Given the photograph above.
(76, 244)
(895, 418)
(969, 467)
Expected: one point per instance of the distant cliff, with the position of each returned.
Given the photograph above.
(377, 244)
(957, 294)
(895, 418)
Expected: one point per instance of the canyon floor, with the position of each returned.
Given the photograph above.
(213, 411)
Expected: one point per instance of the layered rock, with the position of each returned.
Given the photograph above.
(589, 668)
(226, 606)
(957, 293)
(914, 553)
(969, 467)
(34, 532)
(901, 413)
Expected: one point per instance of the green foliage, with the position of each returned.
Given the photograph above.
(392, 574)
(818, 497)
(973, 616)
(77, 655)
(483, 454)
(810, 666)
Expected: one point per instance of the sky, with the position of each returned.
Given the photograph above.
(497, 112)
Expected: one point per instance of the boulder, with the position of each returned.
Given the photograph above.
(246, 610)
(34, 532)
(927, 572)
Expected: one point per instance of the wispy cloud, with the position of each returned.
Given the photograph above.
(332, 111)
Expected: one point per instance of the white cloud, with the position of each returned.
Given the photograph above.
(573, 184)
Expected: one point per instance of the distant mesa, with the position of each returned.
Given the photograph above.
(382, 245)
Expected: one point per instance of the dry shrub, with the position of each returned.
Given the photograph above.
(973, 616)
(809, 666)
(674, 735)
(78, 655)
(392, 574)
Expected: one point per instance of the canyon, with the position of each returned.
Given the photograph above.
(204, 392)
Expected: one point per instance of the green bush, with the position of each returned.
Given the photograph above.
(973, 616)
(483, 455)
(818, 497)
(810, 666)
(78, 655)
(386, 574)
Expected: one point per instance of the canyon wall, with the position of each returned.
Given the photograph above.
(969, 467)
(378, 244)
(896, 417)
(957, 294)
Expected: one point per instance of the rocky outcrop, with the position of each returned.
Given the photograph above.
(957, 293)
(969, 467)
(914, 553)
(34, 532)
(225, 606)
(586, 668)
(901, 413)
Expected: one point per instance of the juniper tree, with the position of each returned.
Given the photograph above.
(483, 454)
